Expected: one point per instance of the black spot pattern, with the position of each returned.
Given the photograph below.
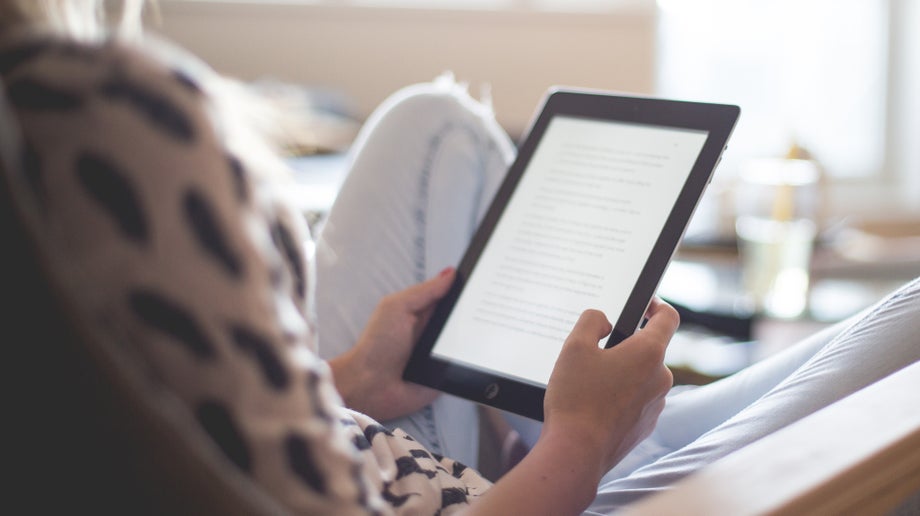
(458, 470)
(372, 430)
(201, 218)
(110, 188)
(361, 442)
(348, 422)
(302, 463)
(420, 454)
(109, 182)
(158, 110)
(220, 425)
(168, 317)
(286, 243)
(406, 466)
(12, 58)
(238, 174)
(29, 94)
(454, 495)
(260, 349)
(186, 82)
(394, 499)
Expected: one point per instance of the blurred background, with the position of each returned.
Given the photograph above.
(828, 141)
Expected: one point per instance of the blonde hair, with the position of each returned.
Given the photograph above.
(86, 20)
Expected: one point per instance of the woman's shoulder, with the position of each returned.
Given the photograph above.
(44, 74)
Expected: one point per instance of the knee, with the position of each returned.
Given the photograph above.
(441, 99)
(425, 109)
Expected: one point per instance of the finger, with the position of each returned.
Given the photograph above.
(423, 295)
(663, 321)
(664, 314)
(592, 326)
(652, 306)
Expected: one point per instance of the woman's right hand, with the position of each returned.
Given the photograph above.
(599, 404)
(610, 399)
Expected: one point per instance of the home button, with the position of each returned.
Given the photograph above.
(491, 391)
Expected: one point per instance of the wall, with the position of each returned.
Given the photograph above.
(906, 113)
(368, 53)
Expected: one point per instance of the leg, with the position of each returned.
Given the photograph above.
(880, 342)
(424, 169)
(691, 412)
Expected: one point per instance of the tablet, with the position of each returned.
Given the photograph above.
(588, 216)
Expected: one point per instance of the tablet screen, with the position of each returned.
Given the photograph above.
(575, 234)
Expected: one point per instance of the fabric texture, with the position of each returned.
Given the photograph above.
(183, 251)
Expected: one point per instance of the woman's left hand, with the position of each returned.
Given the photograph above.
(369, 375)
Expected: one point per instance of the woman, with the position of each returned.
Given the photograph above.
(161, 209)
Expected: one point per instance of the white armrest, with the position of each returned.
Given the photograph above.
(860, 455)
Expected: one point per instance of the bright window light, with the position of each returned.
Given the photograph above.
(806, 71)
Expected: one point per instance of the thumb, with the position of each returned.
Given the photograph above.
(592, 326)
(423, 295)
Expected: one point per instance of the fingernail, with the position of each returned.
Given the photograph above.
(445, 272)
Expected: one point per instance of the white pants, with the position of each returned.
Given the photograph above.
(423, 171)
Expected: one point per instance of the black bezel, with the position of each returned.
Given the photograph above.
(524, 398)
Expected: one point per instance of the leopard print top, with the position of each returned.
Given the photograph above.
(182, 251)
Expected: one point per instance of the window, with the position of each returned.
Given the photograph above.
(836, 76)
(813, 72)
(545, 5)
